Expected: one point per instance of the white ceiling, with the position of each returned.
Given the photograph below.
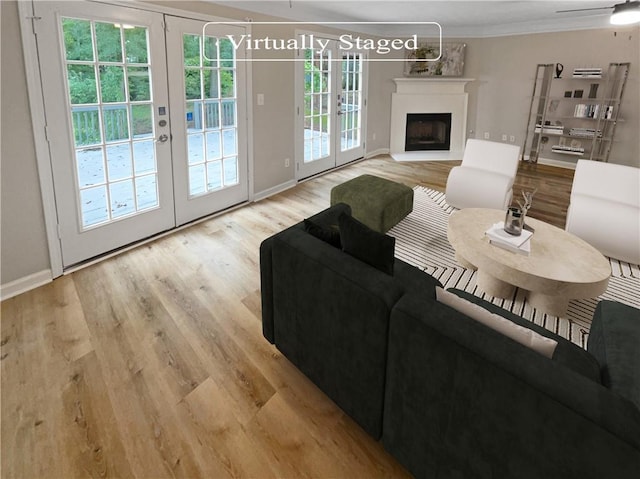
(458, 18)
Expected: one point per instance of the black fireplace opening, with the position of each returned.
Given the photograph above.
(428, 131)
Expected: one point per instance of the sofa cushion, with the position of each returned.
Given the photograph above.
(361, 242)
(327, 234)
(566, 353)
(615, 342)
(520, 334)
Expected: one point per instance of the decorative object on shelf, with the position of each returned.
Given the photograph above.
(582, 110)
(577, 93)
(608, 113)
(590, 72)
(567, 150)
(559, 68)
(550, 129)
(585, 132)
(422, 62)
(574, 148)
(513, 221)
(593, 90)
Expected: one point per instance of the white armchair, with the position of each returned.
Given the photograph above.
(485, 177)
(604, 208)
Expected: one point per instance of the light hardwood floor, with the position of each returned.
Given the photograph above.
(152, 364)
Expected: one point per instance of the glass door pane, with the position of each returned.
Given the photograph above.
(351, 101)
(317, 105)
(211, 106)
(109, 92)
(352, 109)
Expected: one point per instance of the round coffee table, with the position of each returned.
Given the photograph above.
(560, 267)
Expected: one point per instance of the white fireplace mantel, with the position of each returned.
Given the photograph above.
(431, 85)
(429, 95)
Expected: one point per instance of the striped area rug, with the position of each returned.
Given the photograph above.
(421, 240)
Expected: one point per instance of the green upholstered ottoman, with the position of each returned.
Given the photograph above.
(378, 203)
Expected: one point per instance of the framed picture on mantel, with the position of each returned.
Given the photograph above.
(421, 61)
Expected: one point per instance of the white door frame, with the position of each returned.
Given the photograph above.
(38, 121)
(28, 28)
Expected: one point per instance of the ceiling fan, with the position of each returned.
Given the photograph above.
(623, 13)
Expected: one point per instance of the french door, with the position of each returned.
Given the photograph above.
(207, 104)
(125, 165)
(331, 109)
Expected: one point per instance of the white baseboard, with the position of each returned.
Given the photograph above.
(22, 285)
(379, 151)
(261, 195)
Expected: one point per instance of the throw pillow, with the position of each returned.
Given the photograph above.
(374, 248)
(566, 354)
(325, 233)
(520, 334)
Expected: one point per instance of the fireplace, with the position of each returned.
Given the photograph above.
(428, 131)
(419, 96)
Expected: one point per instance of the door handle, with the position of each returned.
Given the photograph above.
(162, 138)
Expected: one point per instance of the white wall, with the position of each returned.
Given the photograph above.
(23, 245)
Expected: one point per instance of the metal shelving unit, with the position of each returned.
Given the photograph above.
(572, 124)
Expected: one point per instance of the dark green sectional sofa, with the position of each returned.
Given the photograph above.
(446, 395)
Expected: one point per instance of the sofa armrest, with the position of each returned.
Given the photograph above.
(331, 319)
(614, 340)
(326, 217)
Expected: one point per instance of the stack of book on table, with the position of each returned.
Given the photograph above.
(516, 244)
